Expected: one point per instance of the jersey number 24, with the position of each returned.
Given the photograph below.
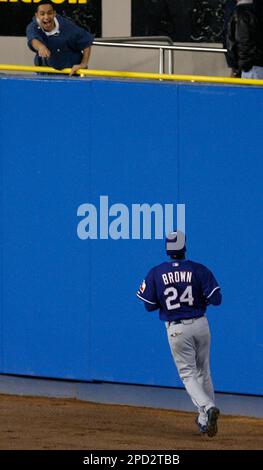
(171, 294)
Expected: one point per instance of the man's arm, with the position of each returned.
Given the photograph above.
(246, 36)
(231, 44)
(41, 49)
(84, 62)
(35, 42)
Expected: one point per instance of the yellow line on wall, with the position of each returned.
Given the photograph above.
(138, 75)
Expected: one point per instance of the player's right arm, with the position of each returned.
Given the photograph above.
(210, 287)
(215, 298)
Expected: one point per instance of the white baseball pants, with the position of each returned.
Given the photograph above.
(190, 346)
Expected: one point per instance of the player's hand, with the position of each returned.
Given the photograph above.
(44, 52)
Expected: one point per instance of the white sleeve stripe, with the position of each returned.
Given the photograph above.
(216, 288)
(145, 300)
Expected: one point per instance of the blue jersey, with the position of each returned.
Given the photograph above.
(180, 288)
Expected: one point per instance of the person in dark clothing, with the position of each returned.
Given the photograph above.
(57, 41)
(228, 9)
(244, 40)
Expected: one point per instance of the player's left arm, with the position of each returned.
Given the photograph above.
(147, 293)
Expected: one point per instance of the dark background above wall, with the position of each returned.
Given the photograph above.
(14, 18)
(182, 20)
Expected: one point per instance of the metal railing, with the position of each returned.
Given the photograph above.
(120, 42)
(127, 42)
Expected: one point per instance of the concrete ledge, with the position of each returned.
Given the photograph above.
(122, 394)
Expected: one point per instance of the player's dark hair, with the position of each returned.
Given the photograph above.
(45, 2)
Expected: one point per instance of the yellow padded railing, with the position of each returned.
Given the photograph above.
(138, 75)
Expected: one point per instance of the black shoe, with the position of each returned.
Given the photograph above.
(212, 417)
(202, 427)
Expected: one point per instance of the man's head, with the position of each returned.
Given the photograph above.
(45, 15)
(175, 244)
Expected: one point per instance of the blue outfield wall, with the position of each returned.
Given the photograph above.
(68, 306)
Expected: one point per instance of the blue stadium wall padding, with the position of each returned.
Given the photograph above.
(68, 306)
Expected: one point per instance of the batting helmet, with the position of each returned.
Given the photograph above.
(175, 244)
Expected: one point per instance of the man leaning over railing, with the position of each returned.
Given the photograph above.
(57, 41)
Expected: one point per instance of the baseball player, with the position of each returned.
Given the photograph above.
(182, 289)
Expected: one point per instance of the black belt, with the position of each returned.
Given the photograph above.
(176, 322)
